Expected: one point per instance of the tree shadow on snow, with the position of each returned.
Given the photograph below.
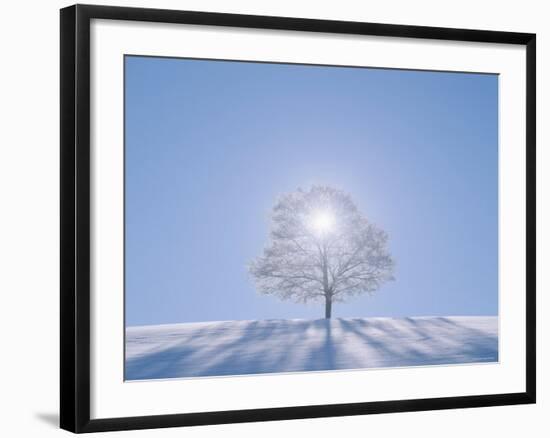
(271, 346)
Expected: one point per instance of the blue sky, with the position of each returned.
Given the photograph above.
(211, 144)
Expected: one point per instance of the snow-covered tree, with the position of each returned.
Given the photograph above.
(321, 250)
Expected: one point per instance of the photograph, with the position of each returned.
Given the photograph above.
(290, 218)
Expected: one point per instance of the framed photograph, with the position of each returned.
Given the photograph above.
(269, 218)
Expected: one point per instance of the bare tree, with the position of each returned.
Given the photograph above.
(321, 249)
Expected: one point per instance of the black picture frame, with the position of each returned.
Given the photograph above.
(75, 217)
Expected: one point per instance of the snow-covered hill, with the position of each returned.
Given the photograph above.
(274, 346)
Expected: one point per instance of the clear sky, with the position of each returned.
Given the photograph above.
(211, 144)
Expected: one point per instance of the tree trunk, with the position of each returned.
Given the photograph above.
(328, 307)
(326, 289)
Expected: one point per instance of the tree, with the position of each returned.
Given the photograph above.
(321, 249)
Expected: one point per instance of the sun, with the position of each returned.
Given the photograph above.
(322, 222)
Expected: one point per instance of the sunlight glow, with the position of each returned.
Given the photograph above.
(322, 222)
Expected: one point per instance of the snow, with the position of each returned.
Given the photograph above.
(276, 346)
